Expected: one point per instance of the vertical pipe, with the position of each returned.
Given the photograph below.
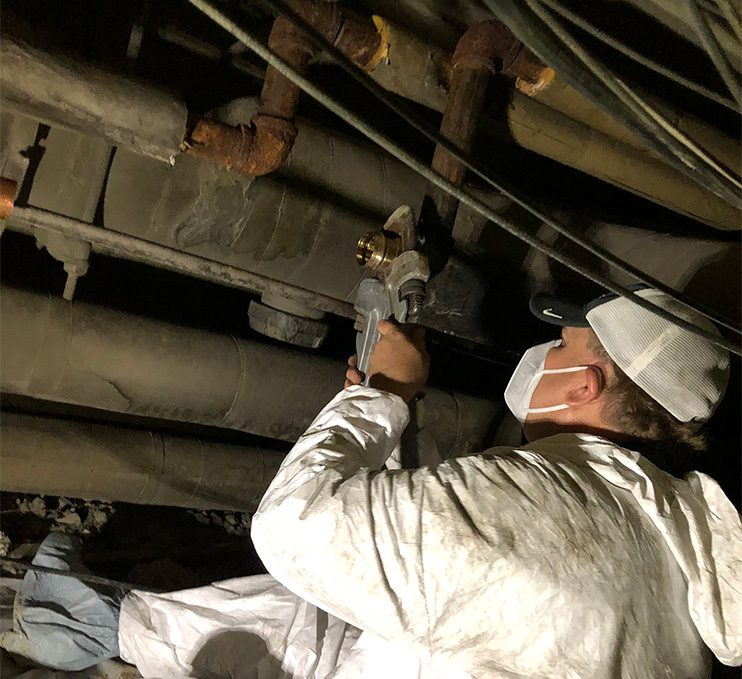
(261, 147)
(484, 49)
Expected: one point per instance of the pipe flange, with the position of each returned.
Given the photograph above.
(286, 327)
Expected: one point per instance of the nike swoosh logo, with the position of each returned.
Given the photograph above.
(550, 312)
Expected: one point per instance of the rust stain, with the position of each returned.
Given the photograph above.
(8, 189)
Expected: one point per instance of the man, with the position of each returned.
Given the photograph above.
(570, 556)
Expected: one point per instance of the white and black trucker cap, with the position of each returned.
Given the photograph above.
(686, 374)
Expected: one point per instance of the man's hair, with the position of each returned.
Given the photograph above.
(638, 416)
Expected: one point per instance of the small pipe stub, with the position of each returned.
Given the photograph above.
(8, 188)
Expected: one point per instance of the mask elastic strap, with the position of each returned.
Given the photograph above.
(557, 371)
(549, 409)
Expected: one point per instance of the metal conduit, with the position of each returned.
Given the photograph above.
(99, 358)
(55, 456)
(104, 241)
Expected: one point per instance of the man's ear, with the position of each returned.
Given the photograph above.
(589, 390)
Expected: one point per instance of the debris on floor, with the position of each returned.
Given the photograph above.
(165, 548)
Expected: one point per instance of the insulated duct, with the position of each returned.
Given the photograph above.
(555, 120)
(98, 358)
(299, 224)
(621, 162)
(64, 91)
(55, 456)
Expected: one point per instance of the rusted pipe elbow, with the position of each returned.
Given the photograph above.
(486, 46)
(272, 141)
(491, 46)
(252, 150)
(8, 190)
(261, 147)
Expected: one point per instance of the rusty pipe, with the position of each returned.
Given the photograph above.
(484, 49)
(261, 147)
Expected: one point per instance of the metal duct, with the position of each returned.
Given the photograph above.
(98, 358)
(92, 101)
(55, 456)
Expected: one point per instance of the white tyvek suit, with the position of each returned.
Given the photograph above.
(569, 557)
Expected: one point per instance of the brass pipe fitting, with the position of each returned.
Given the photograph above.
(377, 249)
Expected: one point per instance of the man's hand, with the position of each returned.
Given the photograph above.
(399, 363)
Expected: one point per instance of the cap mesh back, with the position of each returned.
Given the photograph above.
(684, 373)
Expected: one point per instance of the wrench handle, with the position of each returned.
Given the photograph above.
(372, 304)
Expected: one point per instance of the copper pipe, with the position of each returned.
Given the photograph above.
(261, 147)
(8, 189)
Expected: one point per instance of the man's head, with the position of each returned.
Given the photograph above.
(620, 371)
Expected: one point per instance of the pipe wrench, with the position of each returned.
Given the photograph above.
(396, 286)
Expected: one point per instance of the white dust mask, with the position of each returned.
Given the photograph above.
(526, 377)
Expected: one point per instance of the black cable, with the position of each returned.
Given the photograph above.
(426, 172)
(614, 97)
(631, 53)
(84, 577)
(716, 178)
(485, 173)
(714, 50)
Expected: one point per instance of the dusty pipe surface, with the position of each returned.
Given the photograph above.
(565, 99)
(60, 90)
(99, 358)
(56, 456)
(540, 128)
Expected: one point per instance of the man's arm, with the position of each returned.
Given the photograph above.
(334, 528)
(339, 532)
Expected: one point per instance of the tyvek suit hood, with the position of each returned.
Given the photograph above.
(699, 524)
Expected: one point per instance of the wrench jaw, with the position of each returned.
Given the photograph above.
(405, 284)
